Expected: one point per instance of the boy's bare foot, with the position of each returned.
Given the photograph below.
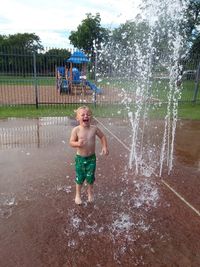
(78, 200)
(90, 198)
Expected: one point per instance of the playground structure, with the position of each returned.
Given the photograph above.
(71, 79)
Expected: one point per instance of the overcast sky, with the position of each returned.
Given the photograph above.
(53, 20)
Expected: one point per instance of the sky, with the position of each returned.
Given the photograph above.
(53, 20)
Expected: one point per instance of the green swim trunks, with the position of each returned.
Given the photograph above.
(85, 169)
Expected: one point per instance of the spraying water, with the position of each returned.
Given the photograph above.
(148, 55)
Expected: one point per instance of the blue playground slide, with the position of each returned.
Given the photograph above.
(94, 87)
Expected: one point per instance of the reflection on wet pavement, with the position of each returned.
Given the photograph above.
(188, 143)
(31, 133)
(21, 133)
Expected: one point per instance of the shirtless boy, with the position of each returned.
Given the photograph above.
(83, 138)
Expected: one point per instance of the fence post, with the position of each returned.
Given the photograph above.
(35, 80)
(95, 76)
(196, 88)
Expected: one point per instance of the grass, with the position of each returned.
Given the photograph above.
(59, 110)
(185, 111)
(32, 112)
(189, 111)
(159, 87)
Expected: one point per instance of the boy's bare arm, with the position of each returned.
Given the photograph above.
(73, 138)
(104, 143)
(74, 141)
(103, 140)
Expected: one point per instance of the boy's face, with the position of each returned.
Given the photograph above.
(84, 117)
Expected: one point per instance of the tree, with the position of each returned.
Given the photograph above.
(28, 42)
(119, 52)
(52, 58)
(192, 17)
(192, 26)
(20, 46)
(195, 49)
(88, 32)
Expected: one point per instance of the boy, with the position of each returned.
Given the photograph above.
(83, 139)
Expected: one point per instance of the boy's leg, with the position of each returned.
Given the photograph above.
(78, 194)
(90, 193)
(91, 167)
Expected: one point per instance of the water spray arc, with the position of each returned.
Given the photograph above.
(148, 58)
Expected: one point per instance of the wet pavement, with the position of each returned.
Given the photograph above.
(134, 221)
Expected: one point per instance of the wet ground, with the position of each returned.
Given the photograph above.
(134, 221)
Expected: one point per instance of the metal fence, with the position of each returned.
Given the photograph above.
(28, 78)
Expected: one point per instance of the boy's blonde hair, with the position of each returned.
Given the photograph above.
(82, 107)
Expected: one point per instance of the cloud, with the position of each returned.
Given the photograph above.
(53, 21)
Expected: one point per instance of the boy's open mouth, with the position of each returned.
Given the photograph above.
(85, 120)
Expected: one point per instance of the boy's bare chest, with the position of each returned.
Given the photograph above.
(86, 134)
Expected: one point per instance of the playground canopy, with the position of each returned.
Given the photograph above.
(78, 57)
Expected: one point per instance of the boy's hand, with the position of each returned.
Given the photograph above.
(104, 151)
(81, 142)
